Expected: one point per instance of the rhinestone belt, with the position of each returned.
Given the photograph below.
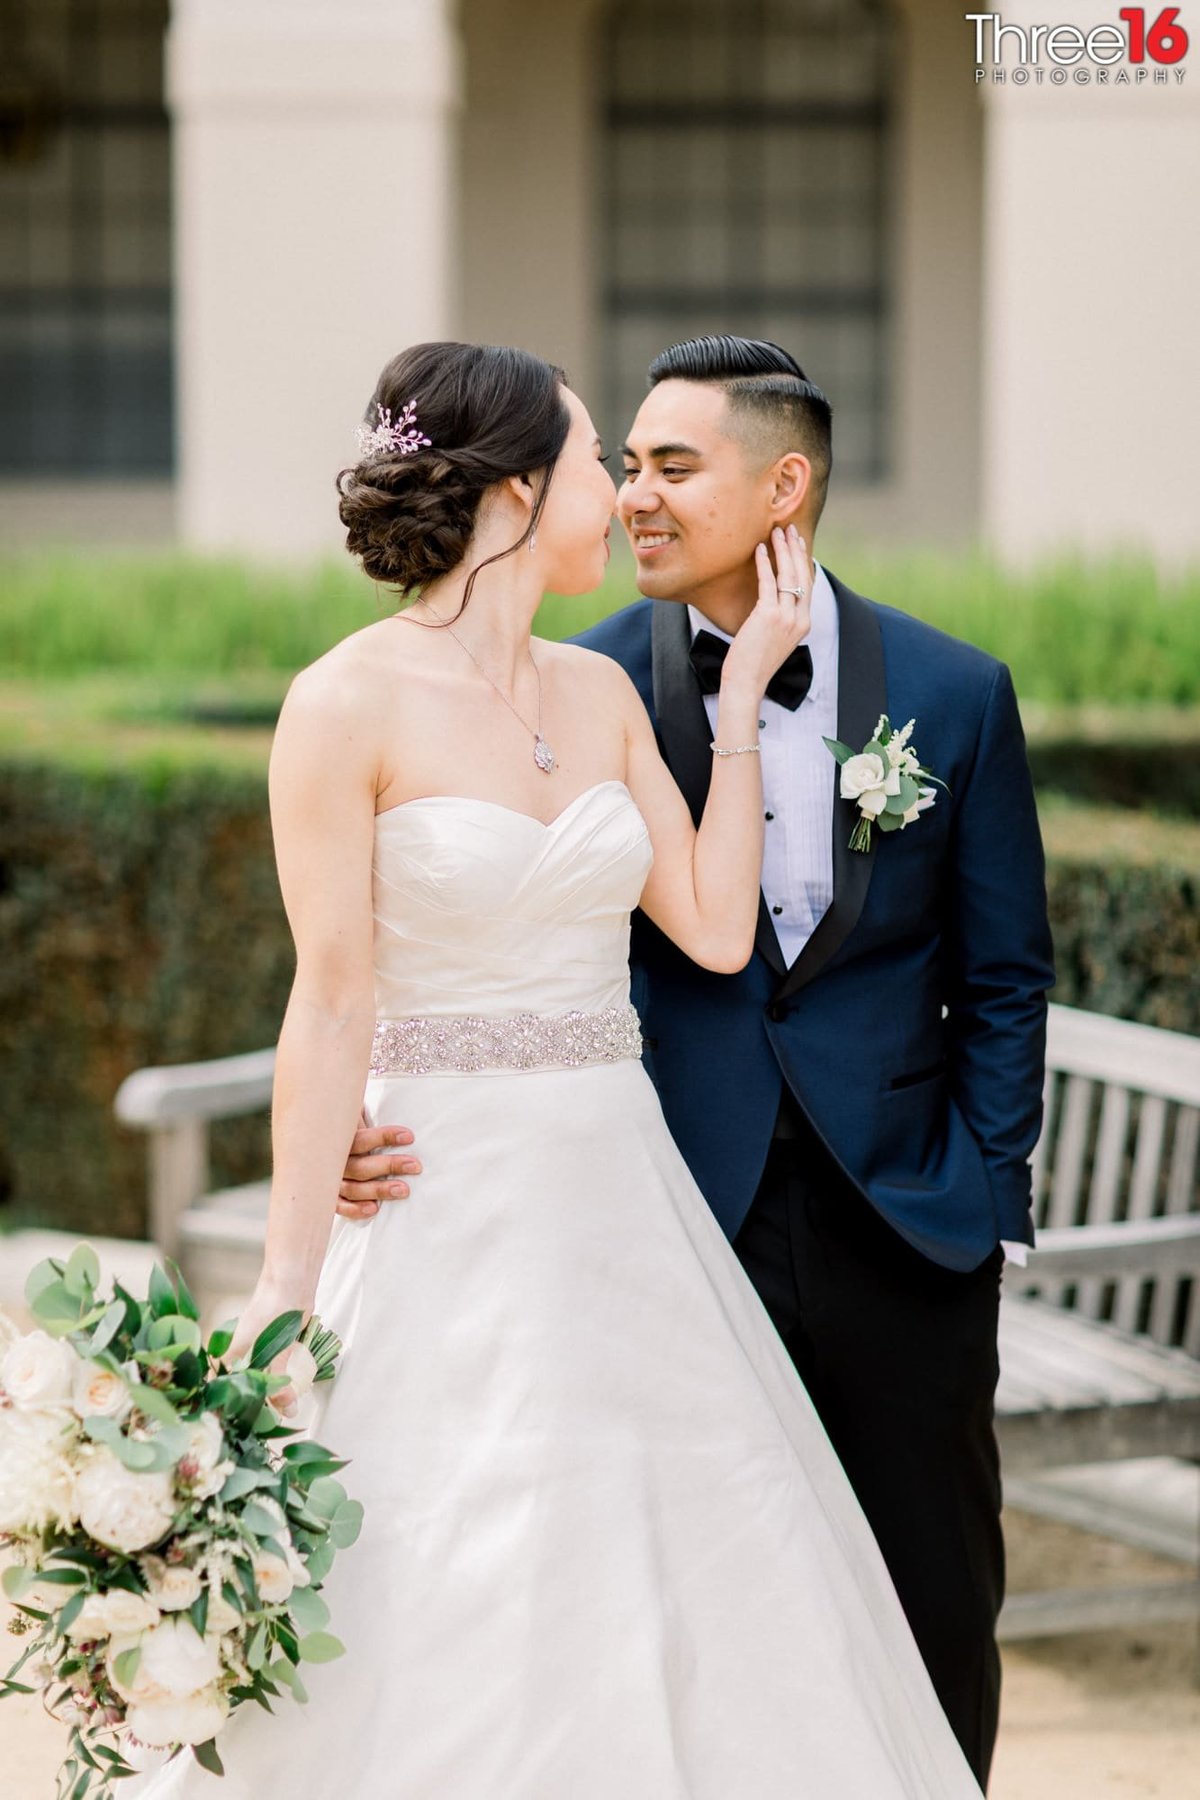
(458, 1044)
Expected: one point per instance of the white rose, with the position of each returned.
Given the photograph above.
(126, 1613)
(222, 1618)
(272, 1577)
(201, 1468)
(872, 802)
(173, 1586)
(860, 774)
(142, 1685)
(191, 1719)
(37, 1478)
(99, 1392)
(38, 1370)
(123, 1508)
(178, 1659)
(91, 1621)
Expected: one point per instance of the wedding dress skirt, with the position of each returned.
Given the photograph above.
(608, 1552)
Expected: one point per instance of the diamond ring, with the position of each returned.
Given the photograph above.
(799, 592)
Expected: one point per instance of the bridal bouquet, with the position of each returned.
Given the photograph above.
(167, 1534)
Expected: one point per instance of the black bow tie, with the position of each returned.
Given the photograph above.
(787, 686)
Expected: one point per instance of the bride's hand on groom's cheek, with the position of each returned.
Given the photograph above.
(378, 1167)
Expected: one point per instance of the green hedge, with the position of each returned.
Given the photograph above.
(140, 922)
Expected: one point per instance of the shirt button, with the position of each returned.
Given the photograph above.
(762, 724)
(768, 817)
(777, 910)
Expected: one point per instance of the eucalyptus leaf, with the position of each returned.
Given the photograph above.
(256, 1646)
(841, 752)
(171, 1330)
(244, 1481)
(154, 1404)
(81, 1276)
(325, 1496)
(320, 1647)
(308, 1608)
(110, 1324)
(55, 1304)
(16, 1580)
(318, 1562)
(41, 1276)
(346, 1524)
(71, 1611)
(220, 1339)
(258, 1520)
(125, 1665)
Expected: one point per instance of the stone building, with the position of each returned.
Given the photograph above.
(219, 217)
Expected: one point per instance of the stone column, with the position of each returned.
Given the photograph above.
(314, 145)
(1091, 358)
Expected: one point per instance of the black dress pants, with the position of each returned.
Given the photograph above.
(899, 1357)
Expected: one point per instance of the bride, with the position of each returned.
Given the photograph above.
(608, 1552)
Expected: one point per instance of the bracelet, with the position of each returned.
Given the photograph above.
(741, 750)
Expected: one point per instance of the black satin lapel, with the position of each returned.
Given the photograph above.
(862, 696)
(683, 725)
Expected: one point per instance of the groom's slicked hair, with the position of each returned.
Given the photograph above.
(773, 406)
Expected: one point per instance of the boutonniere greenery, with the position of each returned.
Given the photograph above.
(887, 780)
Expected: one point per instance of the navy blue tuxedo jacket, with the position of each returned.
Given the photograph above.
(911, 1028)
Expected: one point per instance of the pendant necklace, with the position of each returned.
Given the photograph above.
(543, 755)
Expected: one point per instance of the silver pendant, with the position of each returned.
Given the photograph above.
(543, 755)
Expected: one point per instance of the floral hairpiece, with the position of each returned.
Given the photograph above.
(387, 439)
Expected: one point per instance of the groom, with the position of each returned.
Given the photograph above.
(859, 1103)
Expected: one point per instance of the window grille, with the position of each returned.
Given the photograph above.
(745, 188)
(85, 255)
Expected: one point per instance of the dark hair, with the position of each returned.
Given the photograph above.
(488, 412)
(775, 406)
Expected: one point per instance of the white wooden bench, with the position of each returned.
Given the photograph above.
(1099, 1337)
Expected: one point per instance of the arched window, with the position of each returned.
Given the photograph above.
(85, 258)
(745, 172)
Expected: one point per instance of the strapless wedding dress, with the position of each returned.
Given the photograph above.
(608, 1552)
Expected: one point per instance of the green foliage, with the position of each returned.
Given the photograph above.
(1071, 629)
(284, 1504)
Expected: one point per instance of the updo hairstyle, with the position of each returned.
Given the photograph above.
(489, 413)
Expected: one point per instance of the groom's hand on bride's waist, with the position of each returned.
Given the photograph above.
(380, 1159)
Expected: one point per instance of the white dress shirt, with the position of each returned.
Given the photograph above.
(798, 781)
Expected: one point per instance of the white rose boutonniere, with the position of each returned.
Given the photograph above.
(887, 779)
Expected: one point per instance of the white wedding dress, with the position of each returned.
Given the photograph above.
(608, 1552)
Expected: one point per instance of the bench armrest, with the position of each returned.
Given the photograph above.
(1109, 1252)
(150, 1099)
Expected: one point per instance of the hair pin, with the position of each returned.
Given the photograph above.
(388, 438)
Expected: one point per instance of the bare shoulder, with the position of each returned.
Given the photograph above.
(593, 673)
(350, 670)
